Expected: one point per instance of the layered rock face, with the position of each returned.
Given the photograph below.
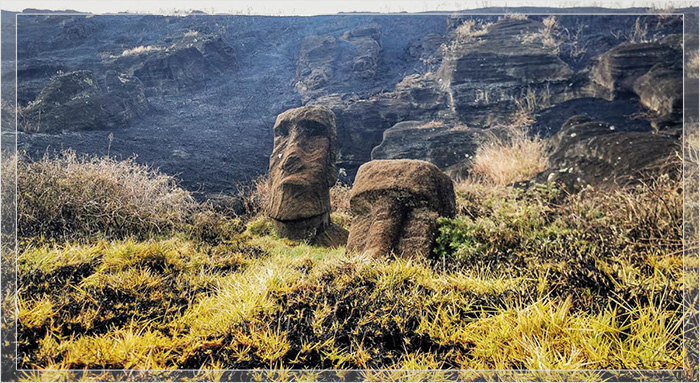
(396, 204)
(587, 152)
(75, 102)
(617, 70)
(661, 91)
(214, 84)
(328, 63)
(302, 170)
(449, 147)
(488, 75)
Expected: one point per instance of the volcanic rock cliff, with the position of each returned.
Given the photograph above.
(198, 95)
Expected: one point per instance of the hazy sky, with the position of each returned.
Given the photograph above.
(313, 7)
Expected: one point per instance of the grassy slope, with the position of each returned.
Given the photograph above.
(530, 280)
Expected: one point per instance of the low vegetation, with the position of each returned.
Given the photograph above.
(471, 29)
(468, 31)
(511, 155)
(521, 279)
(548, 35)
(566, 42)
(692, 65)
(69, 196)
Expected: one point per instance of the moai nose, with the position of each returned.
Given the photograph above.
(292, 161)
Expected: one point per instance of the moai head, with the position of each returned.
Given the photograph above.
(302, 169)
(396, 204)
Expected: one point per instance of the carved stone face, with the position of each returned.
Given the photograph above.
(302, 164)
(396, 204)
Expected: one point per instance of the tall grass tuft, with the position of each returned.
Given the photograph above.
(254, 197)
(510, 157)
(70, 195)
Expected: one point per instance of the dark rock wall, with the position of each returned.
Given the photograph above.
(197, 95)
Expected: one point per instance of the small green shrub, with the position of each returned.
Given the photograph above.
(586, 243)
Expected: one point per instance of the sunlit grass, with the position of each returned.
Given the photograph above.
(521, 279)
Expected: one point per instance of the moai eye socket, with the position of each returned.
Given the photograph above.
(313, 127)
(282, 129)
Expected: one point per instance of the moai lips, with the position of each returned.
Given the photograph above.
(396, 204)
(302, 170)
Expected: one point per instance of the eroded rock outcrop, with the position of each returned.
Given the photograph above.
(302, 170)
(326, 64)
(448, 147)
(362, 122)
(367, 42)
(316, 62)
(492, 74)
(660, 90)
(70, 101)
(180, 68)
(396, 204)
(587, 152)
(124, 99)
(183, 62)
(616, 70)
(75, 102)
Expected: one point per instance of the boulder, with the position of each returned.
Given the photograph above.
(448, 147)
(617, 70)
(661, 91)
(396, 204)
(586, 152)
(302, 171)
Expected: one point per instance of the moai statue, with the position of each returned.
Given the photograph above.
(302, 171)
(396, 204)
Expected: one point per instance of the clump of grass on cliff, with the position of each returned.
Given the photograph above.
(511, 156)
(693, 65)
